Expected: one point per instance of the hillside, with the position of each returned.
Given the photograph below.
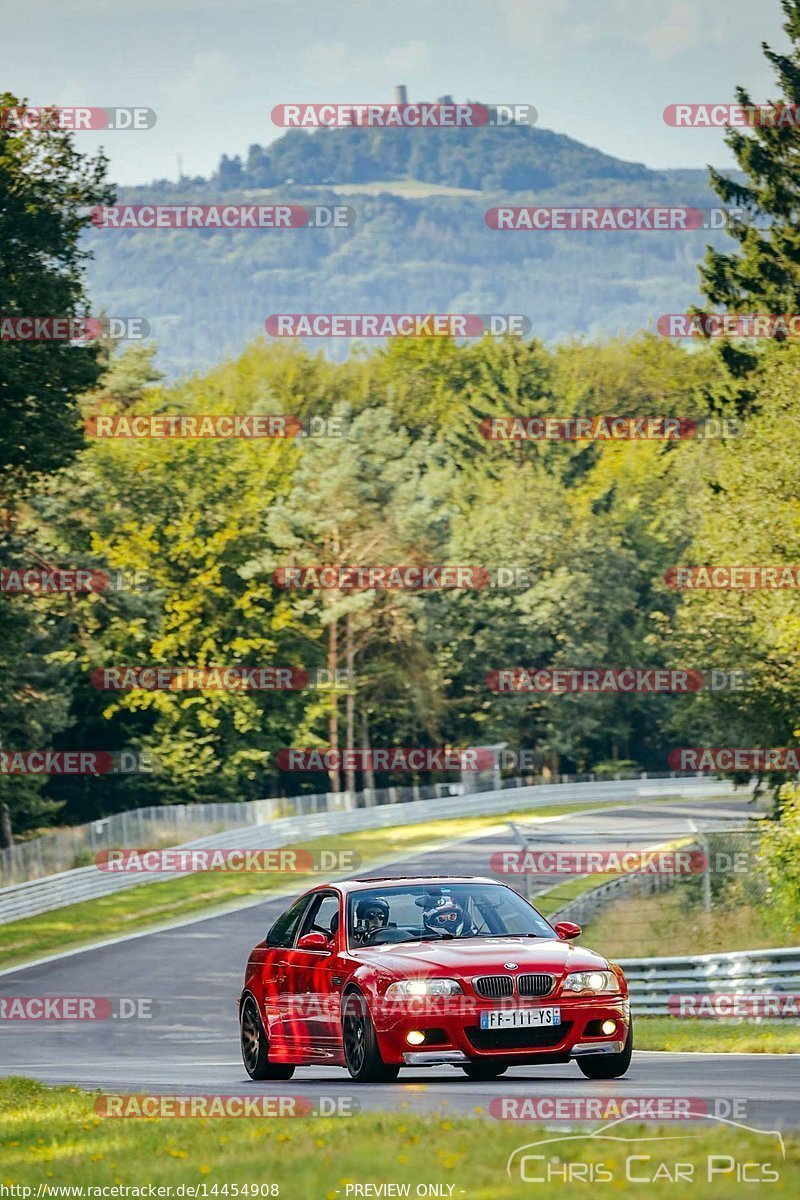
(420, 242)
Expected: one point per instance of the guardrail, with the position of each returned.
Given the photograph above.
(586, 906)
(157, 825)
(88, 883)
(633, 882)
(174, 824)
(766, 981)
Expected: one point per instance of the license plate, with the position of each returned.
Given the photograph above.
(520, 1018)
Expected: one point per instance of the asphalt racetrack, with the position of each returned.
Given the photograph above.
(193, 974)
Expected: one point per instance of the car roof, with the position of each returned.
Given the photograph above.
(384, 881)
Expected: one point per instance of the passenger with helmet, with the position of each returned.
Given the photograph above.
(445, 916)
(372, 915)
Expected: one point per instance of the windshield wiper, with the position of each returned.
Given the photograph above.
(506, 935)
(517, 935)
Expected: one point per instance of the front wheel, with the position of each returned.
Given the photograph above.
(608, 1066)
(485, 1070)
(254, 1046)
(361, 1053)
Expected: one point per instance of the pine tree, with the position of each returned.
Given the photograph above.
(763, 274)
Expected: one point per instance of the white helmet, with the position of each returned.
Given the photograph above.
(445, 916)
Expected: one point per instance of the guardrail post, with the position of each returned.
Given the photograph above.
(704, 843)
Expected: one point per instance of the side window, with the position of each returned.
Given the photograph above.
(283, 931)
(320, 916)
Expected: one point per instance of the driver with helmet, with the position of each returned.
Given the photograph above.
(372, 914)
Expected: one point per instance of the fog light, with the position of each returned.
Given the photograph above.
(415, 1038)
(609, 1027)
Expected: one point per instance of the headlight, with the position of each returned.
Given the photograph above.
(425, 987)
(593, 982)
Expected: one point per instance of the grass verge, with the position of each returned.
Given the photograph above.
(152, 904)
(724, 1036)
(54, 1137)
(673, 922)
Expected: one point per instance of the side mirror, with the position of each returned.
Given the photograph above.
(314, 941)
(567, 930)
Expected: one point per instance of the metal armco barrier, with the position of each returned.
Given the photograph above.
(88, 883)
(583, 908)
(758, 975)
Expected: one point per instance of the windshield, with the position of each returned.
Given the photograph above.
(440, 911)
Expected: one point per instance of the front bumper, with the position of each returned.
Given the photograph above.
(453, 1034)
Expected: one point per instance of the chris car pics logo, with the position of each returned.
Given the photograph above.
(643, 1158)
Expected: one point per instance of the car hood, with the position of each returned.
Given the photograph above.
(475, 956)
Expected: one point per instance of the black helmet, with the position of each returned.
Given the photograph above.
(372, 913)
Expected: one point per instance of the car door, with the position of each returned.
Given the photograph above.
(277, 946)
(312, 1021)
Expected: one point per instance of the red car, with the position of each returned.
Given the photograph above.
(377, 974)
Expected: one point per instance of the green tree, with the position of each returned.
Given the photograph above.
(748, 514)
(763, 273)
(46, 189)
(359, 500)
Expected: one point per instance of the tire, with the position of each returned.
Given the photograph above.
(608, 1066)
(485, 1070)
(253, 1043)
(360, 1044)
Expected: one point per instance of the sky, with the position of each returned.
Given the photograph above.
(601, 71)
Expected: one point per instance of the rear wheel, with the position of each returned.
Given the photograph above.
(608, 1066)
(255, 1054)
(485, 1070)
(361, 1053)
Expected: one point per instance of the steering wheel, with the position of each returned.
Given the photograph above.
(385, 935)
